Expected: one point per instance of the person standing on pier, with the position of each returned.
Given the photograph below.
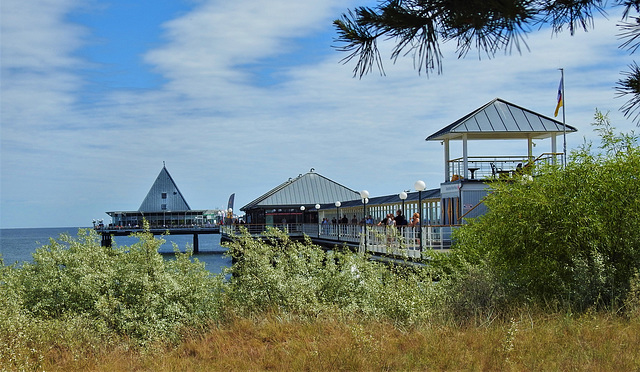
(415, 219)
(400, 220)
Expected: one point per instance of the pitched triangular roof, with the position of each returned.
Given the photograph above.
(164, 196)
(306, 189)
(500, 119)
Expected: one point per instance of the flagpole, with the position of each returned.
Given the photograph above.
(564, 125)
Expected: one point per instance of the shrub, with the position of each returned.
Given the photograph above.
(632, 302)
(571, 235)
(472, 294)
(130, 291)
(301, 279)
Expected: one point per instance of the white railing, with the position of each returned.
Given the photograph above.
(403, 241)
(406, 241)
(493, 167)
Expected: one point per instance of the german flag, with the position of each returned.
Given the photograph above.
(560, 102)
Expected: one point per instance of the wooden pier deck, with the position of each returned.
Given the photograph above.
(108, 232)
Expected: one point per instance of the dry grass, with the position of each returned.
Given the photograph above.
(592, 342)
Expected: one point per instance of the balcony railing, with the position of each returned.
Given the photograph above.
(402, 241)
(495, 167)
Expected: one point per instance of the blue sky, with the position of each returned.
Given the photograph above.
(237, 97)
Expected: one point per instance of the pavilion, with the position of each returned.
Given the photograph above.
(466, 178)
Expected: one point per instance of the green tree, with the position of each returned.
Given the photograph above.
(570, 236)
(419, 26)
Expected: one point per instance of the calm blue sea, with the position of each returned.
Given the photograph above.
(17, 245)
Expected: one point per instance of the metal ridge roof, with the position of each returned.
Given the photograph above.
(307, 189)
(500, 119)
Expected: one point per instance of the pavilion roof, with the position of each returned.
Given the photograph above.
(500, 119)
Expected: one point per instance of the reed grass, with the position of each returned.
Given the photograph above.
(591, 342)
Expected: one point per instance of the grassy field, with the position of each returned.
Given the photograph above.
(592, 342)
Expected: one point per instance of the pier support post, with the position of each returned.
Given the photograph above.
(196, 249)
(106, 240)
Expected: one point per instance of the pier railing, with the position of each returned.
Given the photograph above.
(401, 241)
(158, 230)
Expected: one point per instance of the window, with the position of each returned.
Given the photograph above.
(163, 207)
(164, 195)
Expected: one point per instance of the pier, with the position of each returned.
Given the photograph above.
(399, 242)
(331, 214)
(107, 233)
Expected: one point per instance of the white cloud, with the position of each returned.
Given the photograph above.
(67, 159)
(207, 46)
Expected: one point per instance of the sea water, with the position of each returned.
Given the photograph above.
(18, 245)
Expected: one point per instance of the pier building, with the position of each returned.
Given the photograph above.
(167, 211)
(295, 200)
(164, 207)
(299, 206)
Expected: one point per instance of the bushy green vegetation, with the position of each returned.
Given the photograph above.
(300, 279)
(566, 242)
(77, 290)
(570, 237)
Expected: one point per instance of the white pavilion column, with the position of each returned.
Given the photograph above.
(530, 148)
(465, 158)
(554, 147)
(447, 176)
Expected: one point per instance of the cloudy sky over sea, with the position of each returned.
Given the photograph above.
(238, 96)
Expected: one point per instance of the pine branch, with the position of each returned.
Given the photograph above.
(359, 42)
(630, 86)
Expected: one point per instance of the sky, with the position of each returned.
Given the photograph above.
(239, 96)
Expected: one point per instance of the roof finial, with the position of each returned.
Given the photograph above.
(163, 165)
(311, 170)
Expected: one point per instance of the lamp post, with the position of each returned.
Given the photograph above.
(403, 196)
(420, 186)
(302, 208)
(321, 227)
(338, 204)
(365, 198)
